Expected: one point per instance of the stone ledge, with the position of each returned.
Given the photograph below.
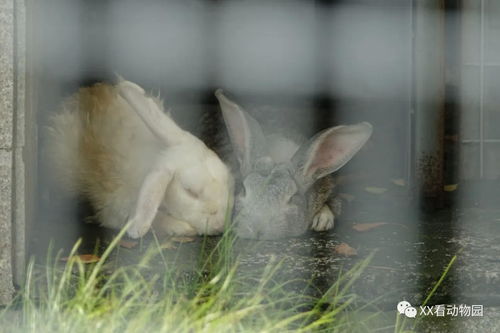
(6, 287)
(6, 72)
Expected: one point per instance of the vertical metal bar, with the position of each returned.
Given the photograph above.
(481, 96)
(410, 145)
(323, 103)
(429, 101)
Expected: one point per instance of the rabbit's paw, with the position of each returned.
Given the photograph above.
(323, 220)
(137, 228)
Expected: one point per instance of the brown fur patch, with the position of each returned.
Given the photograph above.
(320, 193)
(94, 104)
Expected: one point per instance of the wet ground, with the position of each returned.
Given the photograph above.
(410, 251)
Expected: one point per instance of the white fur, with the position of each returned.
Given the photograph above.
(116, 146)
(323, 220)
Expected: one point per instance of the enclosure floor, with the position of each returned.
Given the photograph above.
(410, 250)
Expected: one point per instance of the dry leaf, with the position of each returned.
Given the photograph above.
(84, 258)
(367, 226)
(168, 245)
(129, 244)
(375, 190)
(345, 250)
(450, 187)
(399, 182)
(347, 197)
(182, 239)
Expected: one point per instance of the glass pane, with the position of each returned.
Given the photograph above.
(492, 31)
(471, 31)
(492, 160)
(469, 166)
(470, 102)
(491, 103)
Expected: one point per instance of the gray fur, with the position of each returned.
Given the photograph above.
(286, 182)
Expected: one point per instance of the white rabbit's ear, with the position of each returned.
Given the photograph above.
(245, 133)
(329, 150)
(160, 124)
(150, 197)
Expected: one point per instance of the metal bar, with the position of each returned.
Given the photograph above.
(410, 151)
(485, 64)
(481, 97)
(479, 141)
(429, 101)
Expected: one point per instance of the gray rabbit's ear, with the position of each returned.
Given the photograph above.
(245, 133)
(328, 151)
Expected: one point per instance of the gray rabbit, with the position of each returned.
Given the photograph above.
(286, 183)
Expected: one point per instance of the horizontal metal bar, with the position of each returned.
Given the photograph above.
(479, 141)
(478, 64)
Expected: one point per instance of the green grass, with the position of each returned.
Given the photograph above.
(153, 296)
(404, 324)
(78, 297)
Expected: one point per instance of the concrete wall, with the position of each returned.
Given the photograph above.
(12, 143)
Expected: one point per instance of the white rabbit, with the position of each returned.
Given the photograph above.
(117, 147)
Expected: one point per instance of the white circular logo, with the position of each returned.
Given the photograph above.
(402, 306)
(411, 312)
